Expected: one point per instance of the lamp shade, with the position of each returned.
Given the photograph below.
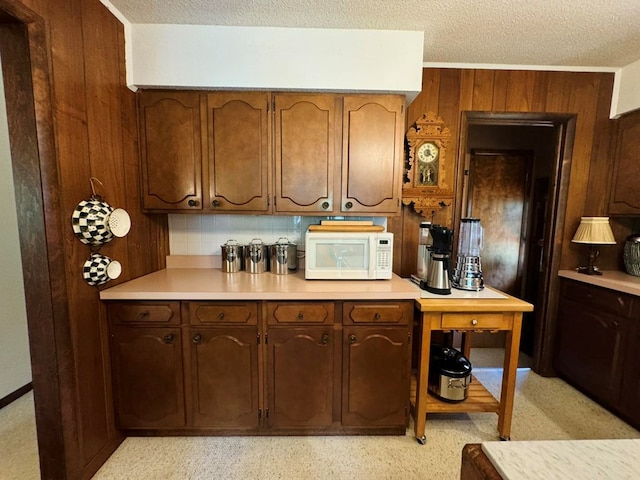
(594, 231)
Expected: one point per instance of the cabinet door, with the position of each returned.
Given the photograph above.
(171, 150)
(224, 377)
(630, 393)
(372, 146)
(238, 167)
(625, 190)
(589, 349)
(300, 370)
(305, 153)
(376, 376)
(147, 377)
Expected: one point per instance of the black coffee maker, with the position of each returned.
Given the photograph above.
(439, 279)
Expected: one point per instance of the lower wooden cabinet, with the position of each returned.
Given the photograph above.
(148, 377)
(376, 376)
(597, 345)
(300, 377)
(223, 373)
(262, 367)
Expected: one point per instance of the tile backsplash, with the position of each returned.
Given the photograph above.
(204, 234)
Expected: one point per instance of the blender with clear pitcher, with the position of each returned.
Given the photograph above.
(468, 272)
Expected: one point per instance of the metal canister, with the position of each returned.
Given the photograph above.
(256, 257)
(283, 256)
(232, 256)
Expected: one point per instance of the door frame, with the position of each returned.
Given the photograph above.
(23, 48)
(564, 125)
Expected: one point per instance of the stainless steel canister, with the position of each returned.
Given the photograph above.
(283, 256)
(256, 257)
(232, 256)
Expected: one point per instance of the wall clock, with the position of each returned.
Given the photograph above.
(428, 182)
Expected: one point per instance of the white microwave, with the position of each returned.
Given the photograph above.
(348, 255)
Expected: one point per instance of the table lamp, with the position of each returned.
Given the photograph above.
(593, 231)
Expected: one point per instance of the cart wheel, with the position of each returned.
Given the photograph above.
(422, 440)
(505, 439)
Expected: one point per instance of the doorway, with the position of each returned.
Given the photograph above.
(515, 169)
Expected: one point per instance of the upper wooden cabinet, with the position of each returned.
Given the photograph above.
(372, 145)
(170, 127)
(238, 168)
(305, 153)
(625, 189)
(314, 154)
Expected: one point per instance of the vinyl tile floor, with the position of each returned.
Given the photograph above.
(545, 409)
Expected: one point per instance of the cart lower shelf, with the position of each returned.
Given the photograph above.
(479, 400)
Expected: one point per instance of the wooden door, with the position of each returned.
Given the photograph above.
(376, 376)
(238, 170)
(224, 377)
(305, 153)
(498, 194)
(300, 372)
(171, 149)
(372, 154)
(148, 377)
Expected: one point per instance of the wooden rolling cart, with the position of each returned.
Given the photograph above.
(468, 315)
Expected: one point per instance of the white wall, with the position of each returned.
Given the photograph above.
(202, 56)
(15, 363)
(626, 90)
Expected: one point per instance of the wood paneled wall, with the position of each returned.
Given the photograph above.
(449, 92)
(92, 117)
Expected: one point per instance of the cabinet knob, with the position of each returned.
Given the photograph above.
(325, 339)
(348, 205)
(215, 203)
(168, 339)
(196, 338)
(300, 315)
(141, 315)
(376, 316)
(474, 322)
(352, 339)
(221, 316)
(193, 203)
(325, 205)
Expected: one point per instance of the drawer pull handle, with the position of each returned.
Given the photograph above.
(168, 339)
(376, 316)
(141, 315)
(352, 339)
(474, 322)
(221, 316)
(325, 339)
(197, 338)
(300, 315)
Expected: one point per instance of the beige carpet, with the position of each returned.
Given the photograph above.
(545, 409)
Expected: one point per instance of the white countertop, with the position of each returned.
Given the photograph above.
(612, 279)
(214, 284)
(566, 459)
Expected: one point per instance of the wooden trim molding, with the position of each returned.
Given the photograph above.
(13, 396)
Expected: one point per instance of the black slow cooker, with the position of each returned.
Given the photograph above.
(449, 373)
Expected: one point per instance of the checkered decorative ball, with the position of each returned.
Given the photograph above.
(89, 221)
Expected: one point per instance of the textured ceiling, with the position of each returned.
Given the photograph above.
(589, 33)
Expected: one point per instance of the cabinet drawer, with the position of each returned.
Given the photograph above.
(476, 321)
(157, 313)
(600, 298)
(295, 312)
(204, 313)
(375, 313)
